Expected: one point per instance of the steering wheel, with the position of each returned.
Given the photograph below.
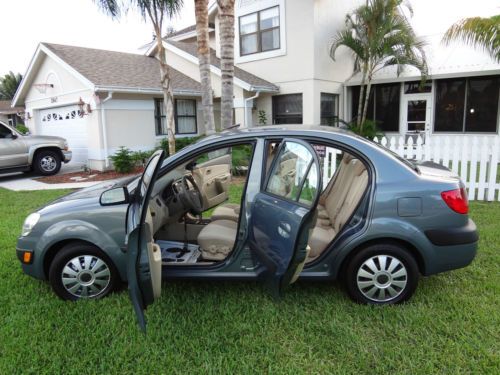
(189, 194)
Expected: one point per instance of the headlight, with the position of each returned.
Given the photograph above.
(29, 223)
(66, 147)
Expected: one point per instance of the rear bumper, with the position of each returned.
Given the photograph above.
(67, 155)
(453, 236)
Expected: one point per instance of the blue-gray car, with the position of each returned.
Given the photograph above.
(306, 203)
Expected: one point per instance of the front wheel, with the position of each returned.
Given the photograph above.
(81, 271)
(382, 274)
(47, 162)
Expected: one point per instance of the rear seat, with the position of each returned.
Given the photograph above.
(338, 203)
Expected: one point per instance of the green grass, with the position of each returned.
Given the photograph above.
(450, 326)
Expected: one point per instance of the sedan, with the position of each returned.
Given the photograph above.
(313, 203)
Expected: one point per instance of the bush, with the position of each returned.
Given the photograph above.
(123, 160)
(141, 157)
(368, 130)
(180, 143)
(241, 156)
(21, 128)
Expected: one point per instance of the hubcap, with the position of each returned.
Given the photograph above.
(85, 276)
(48, 163)
(382, 278)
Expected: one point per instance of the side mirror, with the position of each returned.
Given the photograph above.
(114, 196)
(14, 135)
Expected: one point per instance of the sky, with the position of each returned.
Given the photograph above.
(25, 23)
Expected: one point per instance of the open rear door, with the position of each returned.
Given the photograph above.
(143, 255)
(284, 212)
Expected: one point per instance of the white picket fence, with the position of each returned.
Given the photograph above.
(475, 159)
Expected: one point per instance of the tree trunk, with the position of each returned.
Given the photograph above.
(207, 103)
(168, 97)
(367, 98)
(360, 100)
(226, 15)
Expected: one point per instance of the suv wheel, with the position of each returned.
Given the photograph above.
(81, 271)
(47, 162)
(382, 274)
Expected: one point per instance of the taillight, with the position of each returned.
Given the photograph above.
(457, 200)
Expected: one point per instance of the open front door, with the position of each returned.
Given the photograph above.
(284, 212)
(143, 255)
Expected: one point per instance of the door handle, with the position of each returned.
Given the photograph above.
(284, 229)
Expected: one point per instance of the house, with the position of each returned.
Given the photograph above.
(10, 115)
(283, 75)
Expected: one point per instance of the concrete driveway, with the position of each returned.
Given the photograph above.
(22, 181)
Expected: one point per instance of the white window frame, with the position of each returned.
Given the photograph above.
(258, 6)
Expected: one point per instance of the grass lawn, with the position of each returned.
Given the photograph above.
(451, 325)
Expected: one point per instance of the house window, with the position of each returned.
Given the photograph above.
(383, 105)
(185, 117)
(329, 109)
(287, 109)
(417, 87)
(160, 118)
(260, 31)
(467, 105)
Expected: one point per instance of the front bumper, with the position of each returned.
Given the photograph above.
(35, 267)
(67, 155)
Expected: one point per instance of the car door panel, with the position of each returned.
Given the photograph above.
(13, 150)
(213, 177)
(143, 255)
(283, 214)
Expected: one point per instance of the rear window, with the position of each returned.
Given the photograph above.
(404, 161)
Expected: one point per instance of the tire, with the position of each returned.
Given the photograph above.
(369, 281)
(81, 271)
(47, 162)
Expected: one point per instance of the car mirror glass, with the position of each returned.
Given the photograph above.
(114, 196)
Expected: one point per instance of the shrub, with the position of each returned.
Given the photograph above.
(180, 143)
(123, 160)
(241, 156)
(262, 117)
(141, 157)
(21, 128)
(368, 130)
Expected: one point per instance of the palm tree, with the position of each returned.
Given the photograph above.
(9, 84)
(201, 12)
(155, 11)
(226, 15)
(379, 35)
(478, 32)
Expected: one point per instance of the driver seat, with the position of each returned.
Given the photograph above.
(216, 239)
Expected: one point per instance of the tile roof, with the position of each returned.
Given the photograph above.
(121, 70)
(245, 76)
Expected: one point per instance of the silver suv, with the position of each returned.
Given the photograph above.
(40, 153)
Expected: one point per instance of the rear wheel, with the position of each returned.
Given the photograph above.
(81, 271)
(47, 162)
(382, 274)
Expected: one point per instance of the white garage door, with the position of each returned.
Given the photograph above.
(66, 122)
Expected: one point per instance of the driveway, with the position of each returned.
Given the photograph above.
(22, 181)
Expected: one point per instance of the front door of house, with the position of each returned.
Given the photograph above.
(417, 110)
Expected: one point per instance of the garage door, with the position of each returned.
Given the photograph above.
(66, 122)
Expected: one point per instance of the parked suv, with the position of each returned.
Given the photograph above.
(40, 153)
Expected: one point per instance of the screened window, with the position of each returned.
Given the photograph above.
(416, 87)
(383, 105)
(287, 109)
(329, 109)
(467, 105)
(260, 31)
(185, 117)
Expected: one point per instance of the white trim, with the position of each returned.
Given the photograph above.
(66, 93)
(187, 35)
(29, 72)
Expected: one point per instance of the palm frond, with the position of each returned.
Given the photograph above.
(112, 8)
(483, 33)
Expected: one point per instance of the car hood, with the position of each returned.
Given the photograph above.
(86, 196)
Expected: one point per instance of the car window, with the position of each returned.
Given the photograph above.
(288, 175)
(5, 132)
